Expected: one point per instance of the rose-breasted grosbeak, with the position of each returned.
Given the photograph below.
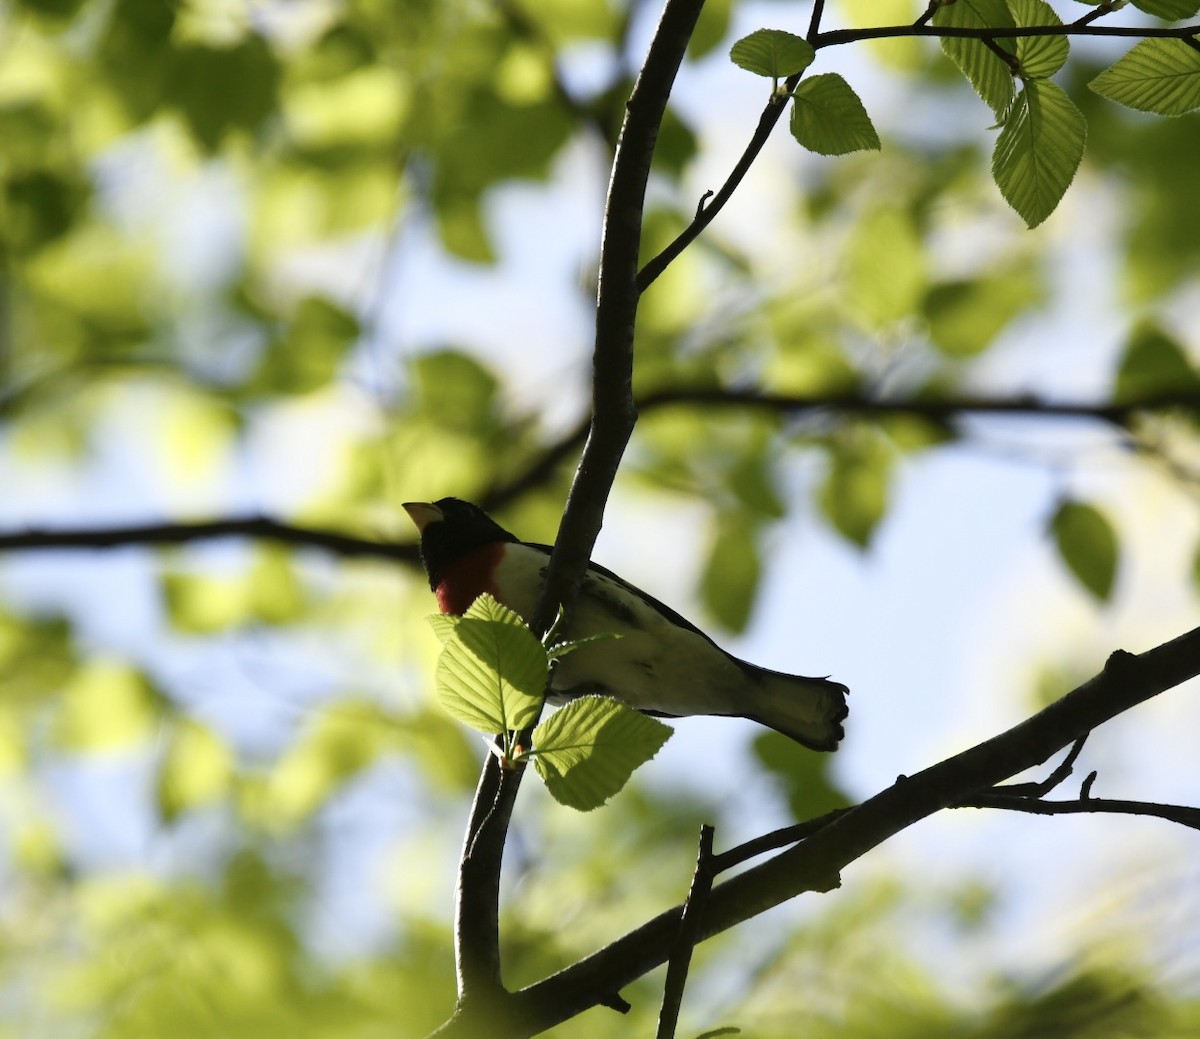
(661, 664)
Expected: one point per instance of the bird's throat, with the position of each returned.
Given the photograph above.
(469, 576)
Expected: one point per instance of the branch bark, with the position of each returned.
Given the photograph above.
(816, 863)
(481, 996)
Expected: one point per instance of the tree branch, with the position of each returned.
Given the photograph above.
(814, 865)
(613, 417)
(689, 933)
(837, 37)
(543, 468)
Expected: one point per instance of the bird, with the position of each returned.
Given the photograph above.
(661, 664)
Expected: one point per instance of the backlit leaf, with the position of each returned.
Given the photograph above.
(1038, 150)
(492, 671)
(1160, 76)
(828, 118)
(196, 771)
(1040, 56)
(587, 750)
(773, 53)
(990, 75)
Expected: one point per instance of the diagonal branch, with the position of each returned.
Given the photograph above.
(815, 864)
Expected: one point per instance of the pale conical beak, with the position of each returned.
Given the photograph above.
(422, 513)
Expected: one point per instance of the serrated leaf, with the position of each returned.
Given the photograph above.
(1171, 10)
(492, 671)
(1161, 76)
(985, 71)
(443, 625)
(828, 118)
(1038, 150)
(773, 53)
(1088, 545)
(1040, 56)
(586, 751)
(1153, 364)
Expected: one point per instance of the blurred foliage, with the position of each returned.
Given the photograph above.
(210, 215)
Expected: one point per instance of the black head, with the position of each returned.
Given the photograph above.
(450, 528)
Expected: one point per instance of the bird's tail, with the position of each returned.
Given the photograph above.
(809, 710)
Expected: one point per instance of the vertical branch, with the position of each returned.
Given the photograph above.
(689, 934)
(613, 410)
(613, 415)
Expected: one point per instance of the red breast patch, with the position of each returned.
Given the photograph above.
(468, 577)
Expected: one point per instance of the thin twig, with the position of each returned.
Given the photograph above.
(1056, 778)
(689, 933)
(1181, 814)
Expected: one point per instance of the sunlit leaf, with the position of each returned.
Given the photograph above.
(107, 705)
(1040, 56)
(587, 750)
(828, 118)
(1087, 544)
(1160, 76)
(773, 53)
(196, 770)
(1038, 150)
(990, 75)
(885, 267)
(492, 671)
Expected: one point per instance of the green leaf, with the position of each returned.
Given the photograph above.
(587, 750)
(988, 74)
(1038, 150)
(965, 316)
(197, 770)
(1153, 364)
(107, 705)
(1170, 10)
(773, 53)
(1161, 76)
(1040, 56)
(828, 118)
(854, 494)
(802, 778)
(731, 574)
(492, 671)
(884, 267)
(222, 89)
(1088, 545)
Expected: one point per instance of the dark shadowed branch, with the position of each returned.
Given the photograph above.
(545, 466)
(613, 417)
(689, 933)
(815, 864)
